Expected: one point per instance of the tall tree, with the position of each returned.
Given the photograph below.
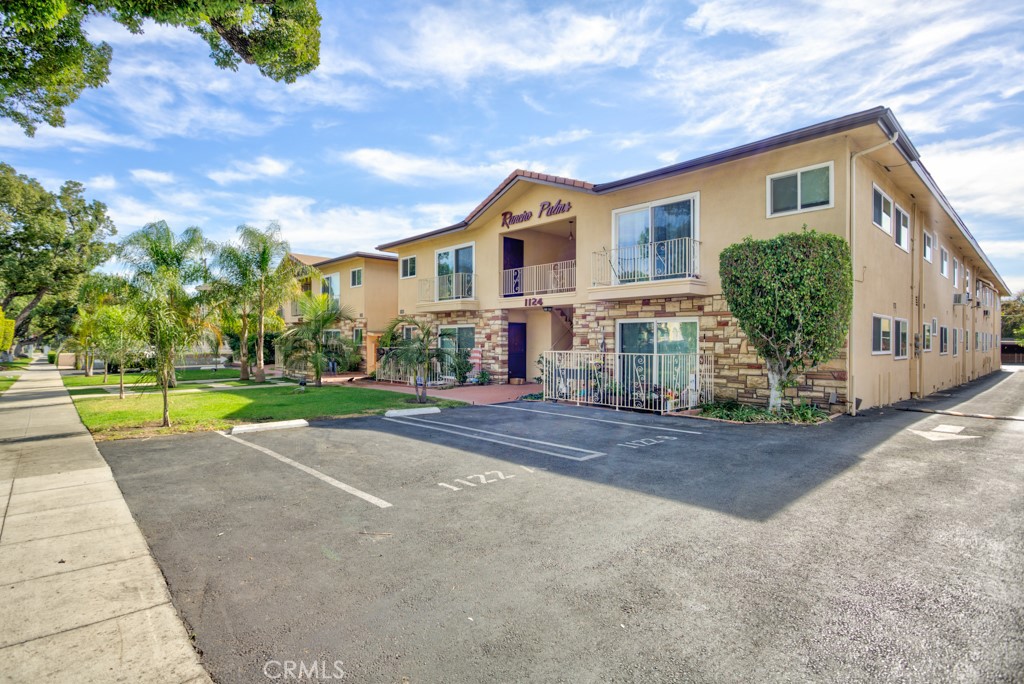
(164, 267)
(1012, 324)
(274, 277)
(48, 242)
(236, 293)
(306, 344)
(47, 59)
(120, 337)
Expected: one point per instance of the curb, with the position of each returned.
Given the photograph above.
(275, 425)
(398, 413)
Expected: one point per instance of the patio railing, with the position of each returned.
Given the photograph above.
(662, 383)
(440, 373)
(528, 281)
(664, 260)
(447, 287)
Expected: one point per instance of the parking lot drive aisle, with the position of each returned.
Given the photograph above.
(83, 600)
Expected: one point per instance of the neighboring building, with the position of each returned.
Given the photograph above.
(549, 263)
(365, 282)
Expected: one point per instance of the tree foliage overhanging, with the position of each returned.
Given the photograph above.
(47, 59)
(793, 296)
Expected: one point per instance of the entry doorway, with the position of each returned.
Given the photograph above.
(513, 266)
(517, 350)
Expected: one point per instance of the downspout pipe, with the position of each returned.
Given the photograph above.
(851, 237)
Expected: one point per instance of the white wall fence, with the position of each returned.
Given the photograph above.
(440, 373)
(662, 383)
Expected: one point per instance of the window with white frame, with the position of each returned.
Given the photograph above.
(902, 334)
(967, 340)
(332, 337)
(458, 338)
(881, 210)
(902, 229)
(956, 273)
(935, 327)
(977, 289)
(408, 332)
(356, 277)
(977, 341)
(408, 267)
(956, 341)
(357, 337)
(656, 240)
(927, 249)
(967, 279)
(330, 286)
(943, 340)
(881, 334)
(926, 338)
(799, 190)
(943, 262)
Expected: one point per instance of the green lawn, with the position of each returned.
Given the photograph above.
(5, 383)
(139, 415)
(76, 391)
(148, 379)
(16, 364)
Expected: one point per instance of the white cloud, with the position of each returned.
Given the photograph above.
(534, 105)
(150, 177)
(980, 176)
(260, 168)
(936, 63)
(103, 182)
(401, 167)
(77, 137)
(492, 39)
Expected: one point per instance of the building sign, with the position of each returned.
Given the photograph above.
(508, 219)
(533, 301)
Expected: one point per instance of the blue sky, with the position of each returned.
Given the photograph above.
(418, 110)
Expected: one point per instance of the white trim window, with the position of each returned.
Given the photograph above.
(800, 190)
(409, 332)
(331, 286)
(902, 229)
(943, 262)
(926, 250)
(881, 210)
(926, 338)
(656, 240)
(458, 338)
(967, 340)
(355, 277)
(357, 336)
(935, 327)
(901, 338)
(956, 273)
(967, 280)
(408, 268)
(943, 340)
(977, 341)
(332, 337)
(956, 341)
(881, 334)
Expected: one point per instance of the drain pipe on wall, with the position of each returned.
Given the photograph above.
(851, 237)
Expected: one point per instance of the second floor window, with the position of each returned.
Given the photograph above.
(800, 190)
(927, 250)
(655, 241)
(881, 210)
(408, 267)
(329, 286)
(902, 230)
(943, 262)
(356, 277)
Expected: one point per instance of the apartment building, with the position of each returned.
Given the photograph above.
(631, 266)
(364, 282)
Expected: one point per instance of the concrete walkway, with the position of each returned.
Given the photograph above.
(82, 598)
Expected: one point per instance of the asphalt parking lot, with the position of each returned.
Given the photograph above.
(555, 543)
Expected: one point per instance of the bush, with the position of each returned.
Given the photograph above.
(462, 367)
(793, 296)
(483, 378)
(51, 357)
(742, 413)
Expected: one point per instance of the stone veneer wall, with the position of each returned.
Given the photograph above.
(739, 373)
(348, 329)
(491, 328)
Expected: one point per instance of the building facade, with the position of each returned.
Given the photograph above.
(363, 282)
(550, 263)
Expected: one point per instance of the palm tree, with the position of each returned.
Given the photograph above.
(305, 345)
(273, 277)
(415, 354)
(164, 266)
(236, 287)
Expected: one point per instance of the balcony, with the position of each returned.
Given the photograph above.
(555, 278)
(654, 269)
(452, 292)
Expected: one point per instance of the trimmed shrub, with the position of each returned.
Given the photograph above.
(793, 296)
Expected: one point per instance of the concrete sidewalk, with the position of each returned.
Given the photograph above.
(82, 598)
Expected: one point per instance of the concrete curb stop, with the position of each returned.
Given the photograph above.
(398, 413)
(275, 425)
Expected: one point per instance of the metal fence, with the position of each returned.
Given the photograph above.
(448, 287)
(440, 373)
(664, 260)
(662, 383)
(541, 279)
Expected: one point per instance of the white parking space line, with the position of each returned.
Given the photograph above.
(597, 420)
(461, 432)
(381, 503)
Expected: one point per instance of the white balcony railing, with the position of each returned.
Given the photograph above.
(554, 278)
(665, 260)
(448, 287)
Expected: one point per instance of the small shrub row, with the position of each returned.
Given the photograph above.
(741, 413)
